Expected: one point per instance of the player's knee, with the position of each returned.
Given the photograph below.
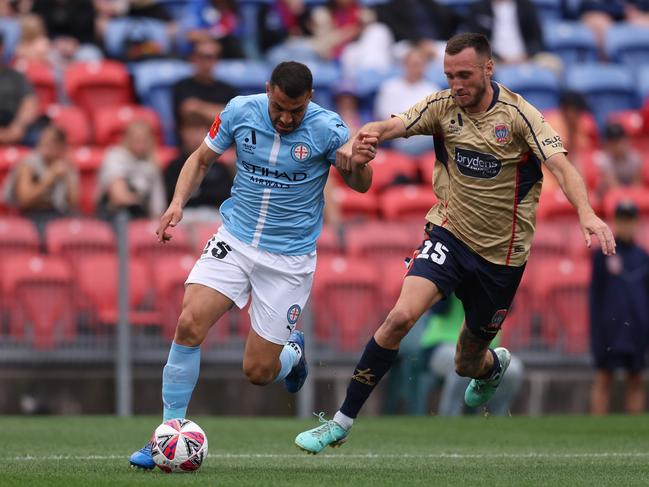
(259, 373)
(399, 322)
(188, 331)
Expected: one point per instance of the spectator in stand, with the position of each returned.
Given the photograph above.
(282, 23)
(130, 178)
(619, 314)
(70, 25)
(219, 20)
(214, 189)
(348, 104)
(397, 94)
(419, 23)
(618, 163)
(18, 107)
(514, 30)
(344, 30)
(201, 93)
(600, 15)
(578, 131)
(34, 45)
(45, 184)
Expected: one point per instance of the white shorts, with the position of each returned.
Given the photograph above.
(279, 284)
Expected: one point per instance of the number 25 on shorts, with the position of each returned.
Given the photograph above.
(438, 255)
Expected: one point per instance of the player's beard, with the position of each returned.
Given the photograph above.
(476, 99)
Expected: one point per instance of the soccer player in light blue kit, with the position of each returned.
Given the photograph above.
(265, 249)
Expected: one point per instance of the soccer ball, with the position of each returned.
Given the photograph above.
(179, 445)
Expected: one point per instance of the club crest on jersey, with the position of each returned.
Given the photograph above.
(300, 152)
(501, 131)
(293, 314)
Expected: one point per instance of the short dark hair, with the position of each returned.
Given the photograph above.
(293, 78)
(460, 42)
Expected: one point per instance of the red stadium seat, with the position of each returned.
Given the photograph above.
(328, 243)
(40, 291)
(356, 205)
(427, 167)
(41, 77)
(143, 242)
(9, 156)
(165, 154)
(550, 239)
(75, 238)
(88, 161)
(516, 331)
(73, 121)
(201, 232)
(92, 85)
(553, 205)
(390, 166)
(631, 120)
(347, 302)
(562, 285)
(393, 272)
(98, 296)
(639, 195)
(18, 235)
(409, 202)
(382, 241)
(110, 122)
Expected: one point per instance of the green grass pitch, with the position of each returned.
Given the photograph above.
(399, 451)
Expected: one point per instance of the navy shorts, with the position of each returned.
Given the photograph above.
(485, 289)
(631, 362)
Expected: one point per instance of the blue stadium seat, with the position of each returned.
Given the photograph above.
(643, 83)
(573, 42)
(608, 87)
(246, 76)
(460, 6)
(121, 30)
(435, 73)
(10, 31)
(153, 82)
(548, 9)
(536, 84)
(178, 9)
(325, 76)
(628, 44)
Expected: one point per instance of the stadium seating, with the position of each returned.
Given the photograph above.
(381, 241)
(628, 44)
(539, 85)
(608, 87)
(18, 235)
(246, 76)
(346, 302)
(407, 202)
(110, 122)
(639, 195)
(88, 160)
(573, 42)
(40, 292)
(427, 167)
(325, 76)
(9, 156)
(147, 35)
(631, 120)
(329, 241)
(96, 279)
(154, 80)
(73, 121)
(92, 85)
(548, 10)
(75, 238)
(41, 77)
(356, 205)
(10, 32)
(517, 330)
(549, 239)
(390, 167)
(555, 205)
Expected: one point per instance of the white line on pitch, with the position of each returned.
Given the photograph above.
(378, 456)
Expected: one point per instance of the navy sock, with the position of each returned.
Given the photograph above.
(373, 365)
(495, 367)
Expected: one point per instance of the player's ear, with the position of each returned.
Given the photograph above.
(489, 67)
(267, 88)
(311, 95)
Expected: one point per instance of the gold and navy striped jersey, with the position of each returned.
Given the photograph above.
(487, 174)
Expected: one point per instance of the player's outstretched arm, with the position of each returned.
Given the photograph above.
(574, 188)
(359, 176)
(191, 175)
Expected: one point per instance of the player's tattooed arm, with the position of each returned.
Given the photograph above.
(190, 178)
(574, 188)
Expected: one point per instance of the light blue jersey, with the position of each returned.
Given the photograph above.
(277, 196)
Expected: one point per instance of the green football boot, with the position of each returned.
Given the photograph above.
(479, 391)
(329, 433)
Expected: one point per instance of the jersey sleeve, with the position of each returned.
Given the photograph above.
(539, 135)
(221, 134)
(339, 134)
(420, 118)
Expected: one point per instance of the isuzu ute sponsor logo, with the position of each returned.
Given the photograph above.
(477, 164)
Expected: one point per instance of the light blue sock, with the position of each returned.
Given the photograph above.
(179, 378)
(289, 358)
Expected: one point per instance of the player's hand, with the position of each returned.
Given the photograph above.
(170, 218)
(591, 224)
(364, 148)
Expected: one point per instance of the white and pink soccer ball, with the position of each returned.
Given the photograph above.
(179, 445)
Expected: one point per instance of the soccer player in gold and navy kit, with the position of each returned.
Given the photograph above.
(490, 144)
